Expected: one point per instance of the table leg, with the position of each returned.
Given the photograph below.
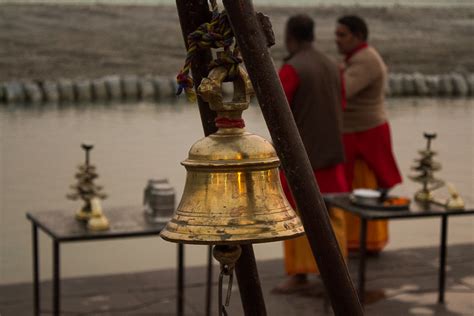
(362, 254)
(442, 258)
(36, 288)
(180, 285)
(209, 282)
(56, 282)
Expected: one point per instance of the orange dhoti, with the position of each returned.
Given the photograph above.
(377, 231)
(298, 255)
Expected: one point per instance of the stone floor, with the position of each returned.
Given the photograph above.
(404, 280)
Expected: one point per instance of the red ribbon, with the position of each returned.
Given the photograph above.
(224, 122)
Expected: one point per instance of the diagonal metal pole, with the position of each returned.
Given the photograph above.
(282, 127)
(193, 13)
(250, 288)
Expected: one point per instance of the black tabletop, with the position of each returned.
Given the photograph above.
(416, 209)
(124, 222)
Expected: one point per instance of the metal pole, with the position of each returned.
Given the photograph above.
(193, 13)
(289, 146)
(56, 279)
(180, 277)
(253, 305)
(362, 258)
(36, 287)
(442, 259)
(209, 282)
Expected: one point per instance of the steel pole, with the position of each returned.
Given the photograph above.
(295, 162)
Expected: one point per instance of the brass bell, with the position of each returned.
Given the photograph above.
(233, 193)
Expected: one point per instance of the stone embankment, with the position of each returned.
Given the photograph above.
(158, 88)
(110, 88)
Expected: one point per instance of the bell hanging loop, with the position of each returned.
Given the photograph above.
(210, 89)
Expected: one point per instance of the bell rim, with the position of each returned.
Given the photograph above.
(235, 241)
(267, 163)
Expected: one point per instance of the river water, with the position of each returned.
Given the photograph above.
(40, 149)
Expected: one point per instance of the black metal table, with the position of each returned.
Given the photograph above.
(416, 211)
(61, 226)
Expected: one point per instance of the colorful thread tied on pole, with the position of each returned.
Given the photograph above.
(215, 34)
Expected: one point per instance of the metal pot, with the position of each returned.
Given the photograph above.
(159, 200)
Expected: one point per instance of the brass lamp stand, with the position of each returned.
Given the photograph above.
(424, 168)
(90, 193)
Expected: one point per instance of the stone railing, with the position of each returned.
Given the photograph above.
(417, 84)
(159, 88)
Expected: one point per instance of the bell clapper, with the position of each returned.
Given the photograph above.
(227, 256)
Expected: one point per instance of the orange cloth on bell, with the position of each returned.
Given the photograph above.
(377, 231)
(298, 256)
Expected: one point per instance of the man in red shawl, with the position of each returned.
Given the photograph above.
(312, 86)
(370, 162)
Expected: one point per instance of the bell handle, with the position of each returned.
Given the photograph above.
(210, 90)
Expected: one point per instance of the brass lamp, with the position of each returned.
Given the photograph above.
(424, 168)
(91, 193)
(233, 193)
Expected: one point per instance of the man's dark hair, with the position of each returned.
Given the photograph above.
(356, 25)
(301, 28)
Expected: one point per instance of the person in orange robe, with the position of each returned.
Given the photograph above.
(370, 162)
(311, 82)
